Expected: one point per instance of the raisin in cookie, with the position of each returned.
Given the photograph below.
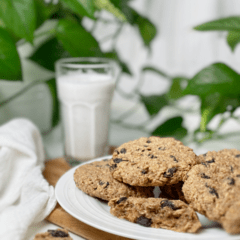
(152, 161)
(156, 212)
(96, 180)
(213, 188)
(53, 234)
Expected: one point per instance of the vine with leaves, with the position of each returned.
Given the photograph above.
(217, 86)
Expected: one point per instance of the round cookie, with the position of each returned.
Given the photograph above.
(96, 180)
(156, 212)
(152, 161)
(213, 188)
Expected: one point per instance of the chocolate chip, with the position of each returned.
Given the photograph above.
(148, 141)
(205, 154)
(107, 184)
(117, 160)
(231, 181)
(203, 163)
(211, 161)
(145, 145)
(212, 191)
(151, 156)
(58, 233)
(231, 168)
(101, 183)
(170, 172)
(123, 150)
(116, 151)
(161, 148)
(146, 222)
(113, 166)
(238, 175)
(144, 171)
(167, 203)
(204, 176)
(121, 200)
(237, 156)
(174, 159)
(107, 165)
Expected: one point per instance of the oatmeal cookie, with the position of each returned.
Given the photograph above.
(96, 180)
(157, 213)
(213, 188)
(152, 161)
(54, 234)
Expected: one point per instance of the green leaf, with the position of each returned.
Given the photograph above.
(44, 11)
(56, 109)
(81, 7)
(223, 24)
(217, 77)
(10, 65)
(108, 6)
(214, 104)
(233, 38)
(48, 53)
(171, 128)
(154, 103)
(176, 89)
(76, 40)
(20, 17)
(147, 29)
(155, 70)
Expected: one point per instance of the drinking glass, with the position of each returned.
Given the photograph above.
(85, 89)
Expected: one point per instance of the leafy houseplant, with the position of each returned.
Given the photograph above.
(60, 29)
(63, 33)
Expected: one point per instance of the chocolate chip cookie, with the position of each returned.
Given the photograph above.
(152, 161)
(54, 234)
(96, 180)
(213, 188)
(156, 212)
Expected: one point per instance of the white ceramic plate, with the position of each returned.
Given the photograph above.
(96, 214)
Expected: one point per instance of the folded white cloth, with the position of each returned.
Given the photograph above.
(25, 196)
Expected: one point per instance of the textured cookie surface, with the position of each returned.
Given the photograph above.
(152, 161)
(54, 235)
(96, 180)
(156, 212)
(213, 188)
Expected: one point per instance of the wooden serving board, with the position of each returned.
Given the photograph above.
(54, 169)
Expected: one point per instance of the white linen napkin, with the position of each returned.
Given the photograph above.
(25, 196)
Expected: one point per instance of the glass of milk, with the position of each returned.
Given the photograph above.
(85, 88)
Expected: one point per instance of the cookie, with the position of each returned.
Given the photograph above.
(54, 234)
(213, 188)
(157, 213)
(173, 192)
(96, 180)
(152, 161)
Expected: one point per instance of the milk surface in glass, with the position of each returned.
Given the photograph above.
(85, 107)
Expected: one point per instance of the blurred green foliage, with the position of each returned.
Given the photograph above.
(217, 86)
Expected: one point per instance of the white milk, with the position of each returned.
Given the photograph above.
(85, 105)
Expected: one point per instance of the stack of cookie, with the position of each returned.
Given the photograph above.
(207, 184)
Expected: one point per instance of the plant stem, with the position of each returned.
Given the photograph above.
(20, 92)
